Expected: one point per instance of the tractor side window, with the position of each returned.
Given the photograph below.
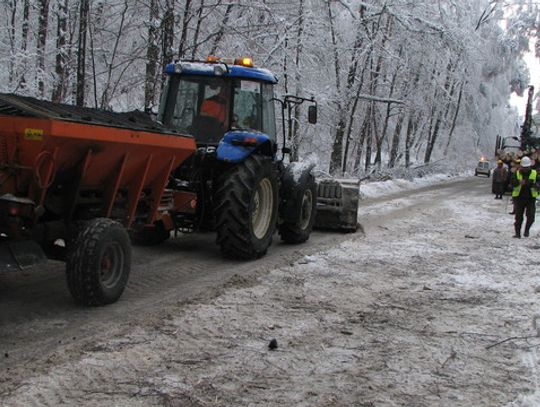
(247, 106)
(185, 107)
(201, 108)
(268, 112)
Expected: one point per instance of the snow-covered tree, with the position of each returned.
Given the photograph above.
(397, 82)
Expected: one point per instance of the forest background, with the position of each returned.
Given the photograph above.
(399, 84)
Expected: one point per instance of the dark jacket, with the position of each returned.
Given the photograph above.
(500, 180)
(500, 174)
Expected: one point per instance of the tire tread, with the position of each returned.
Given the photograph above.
(82, 281)
(232, 199)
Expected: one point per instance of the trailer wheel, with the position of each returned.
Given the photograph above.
(99, 262)
(150, 236)
(299, 231)
(245, 208)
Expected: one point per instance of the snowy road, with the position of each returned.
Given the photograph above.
(434, 306)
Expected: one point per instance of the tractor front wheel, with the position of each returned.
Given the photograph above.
(245, 208)
(99, 262)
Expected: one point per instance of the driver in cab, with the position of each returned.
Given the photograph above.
(216, 106)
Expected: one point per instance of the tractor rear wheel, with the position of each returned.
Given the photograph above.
(299, 230)
(99, 262)
(245, 208)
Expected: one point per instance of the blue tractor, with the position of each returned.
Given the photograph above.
(239, 181)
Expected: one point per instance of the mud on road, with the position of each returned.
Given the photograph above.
(424, 309)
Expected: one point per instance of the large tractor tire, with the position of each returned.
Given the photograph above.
(299, 229)
(245, 208)
(99, 262)
(150, 236)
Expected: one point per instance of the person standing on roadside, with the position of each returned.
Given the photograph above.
(524, 193)
(500, 178)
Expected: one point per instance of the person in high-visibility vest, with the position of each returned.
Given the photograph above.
(524, 193)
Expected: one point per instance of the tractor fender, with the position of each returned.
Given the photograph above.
(293, 180)
(236, 146)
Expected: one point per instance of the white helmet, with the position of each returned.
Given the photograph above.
(526, 162)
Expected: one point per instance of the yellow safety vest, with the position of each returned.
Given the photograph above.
(532, 178)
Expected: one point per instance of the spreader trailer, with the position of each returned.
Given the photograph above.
(73, 181)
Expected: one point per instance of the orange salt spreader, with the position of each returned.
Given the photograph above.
(72, 180)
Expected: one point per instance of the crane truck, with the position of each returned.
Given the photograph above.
(529, 140)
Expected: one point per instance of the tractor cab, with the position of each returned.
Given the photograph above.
(212, 98)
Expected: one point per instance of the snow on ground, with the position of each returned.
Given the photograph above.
(384, 188)
(434, 306)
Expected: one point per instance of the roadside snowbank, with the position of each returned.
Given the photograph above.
(384, 188)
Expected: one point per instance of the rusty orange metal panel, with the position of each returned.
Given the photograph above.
(135, 190)
(83, 171)
(185, 202)
(157, 190)
(44, 171)
(110, 194)
(24, 139)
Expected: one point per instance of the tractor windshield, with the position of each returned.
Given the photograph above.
(206, 107)
(253, 107)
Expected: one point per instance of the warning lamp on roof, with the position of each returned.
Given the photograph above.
(244, 61)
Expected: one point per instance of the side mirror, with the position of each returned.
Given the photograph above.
(312, 114)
